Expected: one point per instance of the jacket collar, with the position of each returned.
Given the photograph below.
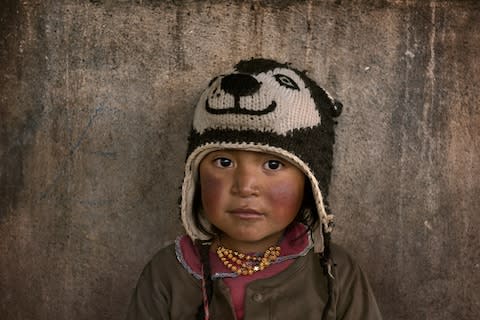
(295, 242)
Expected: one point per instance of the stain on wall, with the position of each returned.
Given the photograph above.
(96, 98)
(12, 182)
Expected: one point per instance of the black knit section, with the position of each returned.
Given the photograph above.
(259, 65)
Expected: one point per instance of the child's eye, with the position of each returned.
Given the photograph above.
(273, 165)
(223, 162)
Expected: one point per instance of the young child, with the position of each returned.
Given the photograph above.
(257, 243)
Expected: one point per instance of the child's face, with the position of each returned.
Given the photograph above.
(250, 196)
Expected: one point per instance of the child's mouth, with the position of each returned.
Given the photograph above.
(246, 213)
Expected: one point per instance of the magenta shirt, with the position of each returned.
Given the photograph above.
(296, 242)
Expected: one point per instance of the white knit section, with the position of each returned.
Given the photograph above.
(295, 109)
(191, 176)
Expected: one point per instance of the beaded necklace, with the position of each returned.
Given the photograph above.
(244, 264)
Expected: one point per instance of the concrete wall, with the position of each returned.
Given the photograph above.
(95, 103)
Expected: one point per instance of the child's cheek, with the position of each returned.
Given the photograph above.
(212, 188)
(286, 198)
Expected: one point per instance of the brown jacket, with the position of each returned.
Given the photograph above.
(166, 290)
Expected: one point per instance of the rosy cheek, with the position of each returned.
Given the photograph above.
(211, 188)
(287, 197)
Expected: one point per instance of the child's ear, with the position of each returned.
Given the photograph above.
(336, 108)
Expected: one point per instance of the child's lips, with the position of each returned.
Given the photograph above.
(246, 213)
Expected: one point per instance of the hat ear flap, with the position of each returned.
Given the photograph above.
(337, 108)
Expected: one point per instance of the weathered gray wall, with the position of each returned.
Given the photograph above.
(95, 102)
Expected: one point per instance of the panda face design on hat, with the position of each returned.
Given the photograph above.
(276, 101)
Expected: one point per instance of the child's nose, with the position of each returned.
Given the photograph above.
(245, 182)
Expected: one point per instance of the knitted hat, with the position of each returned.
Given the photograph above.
(268, 107)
